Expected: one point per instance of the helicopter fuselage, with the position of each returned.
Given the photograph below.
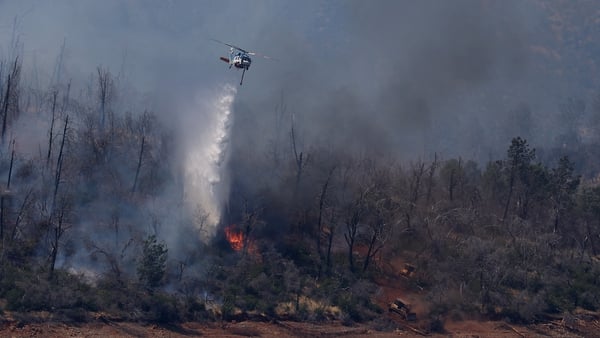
(241, 61)
(238, 58)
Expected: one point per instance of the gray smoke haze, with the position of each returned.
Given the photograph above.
(400, 79)
(399, 76)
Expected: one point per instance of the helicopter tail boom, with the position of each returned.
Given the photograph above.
(224, 59)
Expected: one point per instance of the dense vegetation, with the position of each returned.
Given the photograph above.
(516, 238)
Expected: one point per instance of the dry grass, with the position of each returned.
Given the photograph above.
(311, 306)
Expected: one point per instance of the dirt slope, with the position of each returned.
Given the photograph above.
(288, 329)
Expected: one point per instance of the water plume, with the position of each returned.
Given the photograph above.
(205, 157)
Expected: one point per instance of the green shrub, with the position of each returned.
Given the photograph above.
(161, 308)
(194, 309)
(152, 265)
(437, 325)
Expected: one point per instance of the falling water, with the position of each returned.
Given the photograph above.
(206, 184)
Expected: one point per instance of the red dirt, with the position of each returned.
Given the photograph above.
(464, 329)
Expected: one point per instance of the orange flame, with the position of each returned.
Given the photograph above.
(234, 237)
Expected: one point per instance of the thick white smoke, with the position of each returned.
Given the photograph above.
(205, 157)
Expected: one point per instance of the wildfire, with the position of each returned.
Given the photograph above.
(234, 237)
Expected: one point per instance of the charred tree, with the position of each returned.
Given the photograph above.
(322, 197)
(415, 186)
(105, 87)
(21, 214)
(379, 228)
(58, 225)
(51, 132)
(4, 193)
(249, 222)
(139, 165)
(330, 233)
(298, 158)
(58, 229)
(431, 178)
(357, 210)
(10, 97)
(59, 162)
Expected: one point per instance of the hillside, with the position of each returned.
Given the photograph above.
(450, 160)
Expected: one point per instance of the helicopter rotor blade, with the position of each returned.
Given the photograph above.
(232, 46)
(263, 56)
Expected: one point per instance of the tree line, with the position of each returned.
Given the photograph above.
(513, 238)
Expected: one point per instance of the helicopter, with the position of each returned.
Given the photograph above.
(239, 58)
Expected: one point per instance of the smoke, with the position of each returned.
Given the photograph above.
(393, 72)
(385, 76)
(394, 78)
(206, 139)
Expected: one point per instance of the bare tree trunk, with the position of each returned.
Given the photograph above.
(139, 165)
(415, 186)
(1, 83)
(250, 220)
(350, 237)
(321, 205)
(20, 215)
(59, 63)
(5, 108)
(2, 196)
(510, 193)
(379, 230)
(11, 95)
(329, 245)
(112, 260)
(352, 227)
(58, 232)
(300, 162)
(454, 179)
(105, 87)
(298, 158)
(59, 227)
(371, 251)
(51, 137)
(66, 98)
(432, 169)
(59, 163)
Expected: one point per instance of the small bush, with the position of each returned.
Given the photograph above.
(77, 315)
(347, 320)
(437, 325)
(195, 310)
(161, 308)
(589, 300)
(228, 308)
(152, 265)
